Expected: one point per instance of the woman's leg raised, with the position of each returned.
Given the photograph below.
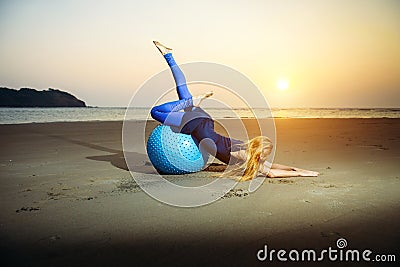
(179, 77)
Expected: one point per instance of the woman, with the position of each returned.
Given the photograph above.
(250, 157)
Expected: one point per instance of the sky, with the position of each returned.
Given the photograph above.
(328, 53)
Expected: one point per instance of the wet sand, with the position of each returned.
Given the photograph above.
(67, 198)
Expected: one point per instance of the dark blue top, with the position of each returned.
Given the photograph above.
(200, 125)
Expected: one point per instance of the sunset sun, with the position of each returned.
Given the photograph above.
(282, 84)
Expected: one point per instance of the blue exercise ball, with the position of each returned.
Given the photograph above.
(174, 153)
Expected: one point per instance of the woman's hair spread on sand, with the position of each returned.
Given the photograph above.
(256, 149)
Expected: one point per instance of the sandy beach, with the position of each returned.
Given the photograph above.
(67, 198)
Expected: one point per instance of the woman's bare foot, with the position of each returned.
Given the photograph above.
(162, 48)
(198, 99)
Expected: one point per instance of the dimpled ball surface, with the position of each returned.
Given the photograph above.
(173, 153)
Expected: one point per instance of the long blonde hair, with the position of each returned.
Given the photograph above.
(254, 149)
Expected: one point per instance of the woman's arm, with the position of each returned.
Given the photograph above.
(283, 167)
(282, 171)
(275, 170)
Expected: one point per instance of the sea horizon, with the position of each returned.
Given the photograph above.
(71, 114)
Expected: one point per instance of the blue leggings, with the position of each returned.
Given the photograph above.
(193, 121)
(169, 113)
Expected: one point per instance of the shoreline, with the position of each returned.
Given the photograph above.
(154, 121)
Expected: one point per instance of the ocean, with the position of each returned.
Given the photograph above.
(41, 115)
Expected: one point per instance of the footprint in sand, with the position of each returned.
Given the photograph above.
(331, 234)
(29, 209)
(375, 147)
(236, 193)
(127, 186)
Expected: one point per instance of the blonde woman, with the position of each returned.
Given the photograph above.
(249, 158)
